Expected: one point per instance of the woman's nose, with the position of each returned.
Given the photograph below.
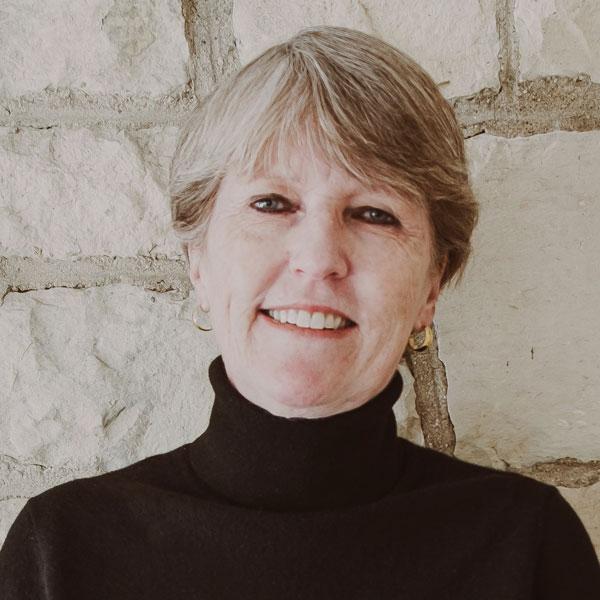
(318, 249)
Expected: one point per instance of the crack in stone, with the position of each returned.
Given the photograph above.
(13, 462)
(550, 103)
(25, 274)
(109, 419)
(190, 15)
(62, 107)
(368, 16)
(508, 56)
(565, 472)
(211, 40)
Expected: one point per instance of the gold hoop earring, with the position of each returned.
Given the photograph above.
(199, 325)
(419, 347)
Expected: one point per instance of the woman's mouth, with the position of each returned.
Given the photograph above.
(315, 323)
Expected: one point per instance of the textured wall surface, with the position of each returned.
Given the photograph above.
(100, 363)
(558, 37)
(68, 170)
(460, 59)
(100, 46)
(526, 388)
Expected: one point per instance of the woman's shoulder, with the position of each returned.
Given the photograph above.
(81, 522)
(481, 494)
(510, 509)
(158, 474)
(427, 468)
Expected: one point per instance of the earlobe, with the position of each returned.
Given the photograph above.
(200, 292)
(425, 318)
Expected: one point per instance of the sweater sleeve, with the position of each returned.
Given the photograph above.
(21, 564)
(567, 565)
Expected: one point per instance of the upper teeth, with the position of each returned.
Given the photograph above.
(303, 318)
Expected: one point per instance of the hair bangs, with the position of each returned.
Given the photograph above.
(300, 115)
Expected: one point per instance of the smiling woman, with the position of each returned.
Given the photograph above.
(323, 202)
(337, 139)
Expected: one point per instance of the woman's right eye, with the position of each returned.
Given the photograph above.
(268, 203)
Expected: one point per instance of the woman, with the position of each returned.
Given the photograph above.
(322, 199)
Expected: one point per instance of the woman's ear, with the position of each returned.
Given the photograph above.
(197, 274)
(427, 312)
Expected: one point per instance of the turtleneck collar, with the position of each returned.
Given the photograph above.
(251, 457)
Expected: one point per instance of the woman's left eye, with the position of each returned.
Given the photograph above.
(378, 217)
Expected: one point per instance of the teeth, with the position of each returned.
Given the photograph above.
(317, 321)
(302, 318)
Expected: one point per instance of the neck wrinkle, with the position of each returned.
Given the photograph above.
(251, 457)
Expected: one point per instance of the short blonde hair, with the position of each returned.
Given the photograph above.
(364, 105)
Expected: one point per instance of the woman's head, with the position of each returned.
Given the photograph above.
(271, 185)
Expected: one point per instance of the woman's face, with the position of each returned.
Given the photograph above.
(308, 235)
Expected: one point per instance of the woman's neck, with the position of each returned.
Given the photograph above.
(251, 457)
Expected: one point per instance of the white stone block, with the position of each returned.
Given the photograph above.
(455, 41)
(99, 46)
(520, 337)
(558, 37)
(74, 192)
(97, 378)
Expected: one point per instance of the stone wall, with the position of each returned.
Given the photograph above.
(101, 365)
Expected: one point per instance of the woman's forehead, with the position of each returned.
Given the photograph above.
(297, 172)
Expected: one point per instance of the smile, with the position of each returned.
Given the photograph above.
(310, 325)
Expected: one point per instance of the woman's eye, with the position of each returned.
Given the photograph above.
(378, 217)
(269, 203)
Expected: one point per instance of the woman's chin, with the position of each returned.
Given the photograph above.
(301, 382)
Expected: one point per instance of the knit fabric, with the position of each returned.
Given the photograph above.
(266, 507)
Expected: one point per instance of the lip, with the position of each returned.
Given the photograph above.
(311, 308)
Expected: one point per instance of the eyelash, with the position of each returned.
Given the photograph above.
(393, 223)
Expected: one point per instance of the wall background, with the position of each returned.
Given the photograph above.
(100, 364)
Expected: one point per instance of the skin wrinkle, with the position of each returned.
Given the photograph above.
(318, 250)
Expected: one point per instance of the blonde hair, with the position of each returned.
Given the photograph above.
(365, 106)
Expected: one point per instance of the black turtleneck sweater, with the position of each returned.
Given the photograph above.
(267, 507)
